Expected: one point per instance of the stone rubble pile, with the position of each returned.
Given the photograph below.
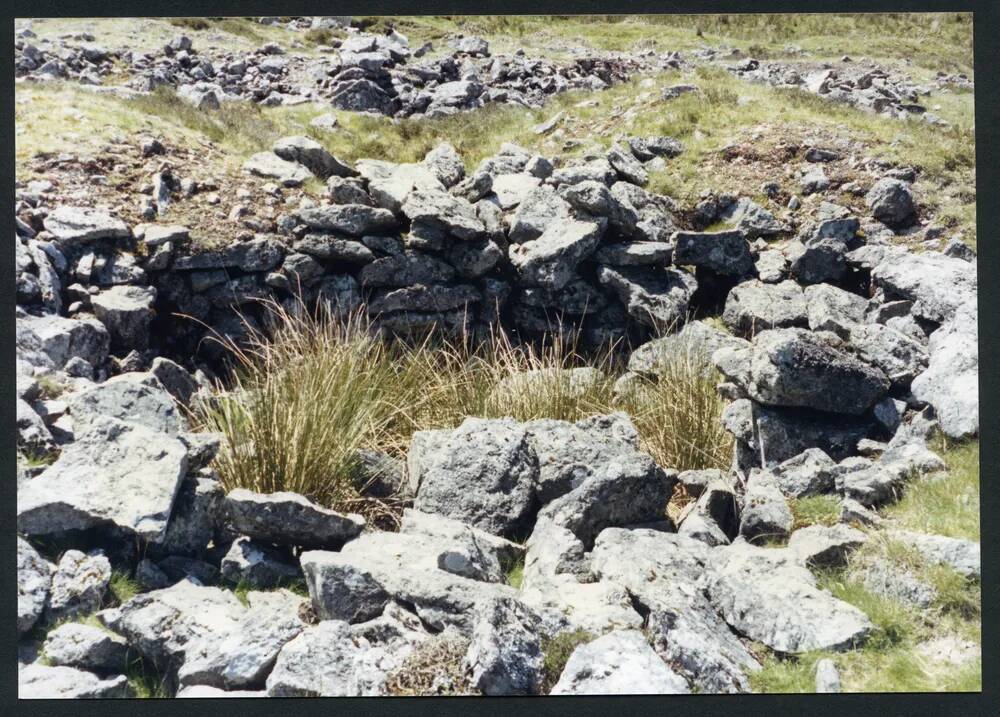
(860, 84)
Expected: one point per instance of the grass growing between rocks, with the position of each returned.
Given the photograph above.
(304, 399)
(909, 648)
(815, 510)
(556, 652)
(122, 588)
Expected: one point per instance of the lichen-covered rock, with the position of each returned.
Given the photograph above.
(81, 225)
(725, 252)
(765, 514)
(116, 473)
(136, 398)
(619, 663)
(286, 518)
(550, 259)
(753, 307)
(653, 296)
(483, 473)
(505, 651)
(891, 202)
(825, 546)
(78, 585)
(127, 312)
(34, 578)
(86, 647)
(38, 681)
(257, 565)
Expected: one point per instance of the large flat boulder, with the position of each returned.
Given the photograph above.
(286, 518)
(81, 225)
(619, 663)
(115, 473)
(550, 260)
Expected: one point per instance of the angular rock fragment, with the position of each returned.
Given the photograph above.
(659, 298)
(619, 663)
(285, 518)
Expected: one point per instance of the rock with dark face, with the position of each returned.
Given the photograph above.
(505, 650)
(550, 260)
(765, 514)
(127, 312)
(482, 473)
(891, 202)
(656, 297)
(353, 219)
(794, 368)
(34, 577)
(726, 253)
(406, 270)
(286, 518)
(86, 647)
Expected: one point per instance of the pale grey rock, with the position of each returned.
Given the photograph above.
(665, 573)
(825, 546)
(569, 453)
(957, 553)
(312, 155)
(483, 555)
(33, 435)
(830, 308)
(163, 625)
(353, 219)
(696, 340)
(898, 356)
(753, 306)
(827, 676)
(937, 285)
(483, 473)
(512, 189)
(765, 514)
(334, 248)
(714, 519)
(809, 473)
(214, 692)
(891, 202)
(244, 656)
(136, 397)
(38, 681)
(257, 565)
(550, 259)
(86, 647)
(444, 212)
(319, 662)
(34, 578)
(505, 650)
(114, 473)
(771, 266)
(79, 582)
(794, 368)
(539, 210)
(766, 596)
(630, 489)
(446, 164)
(871, 484)
(640, 253)
(619, 663)
(271, 166)
(951, 382)
(53, 341)
(726, 252)
(406, 270)
(286, 518)
(81, 225)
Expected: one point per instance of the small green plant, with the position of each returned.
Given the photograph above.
(556, 652)
(515, 575)
(122, 588)
(144, 680)
(51, 387)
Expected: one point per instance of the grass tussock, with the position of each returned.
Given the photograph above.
(306, 397)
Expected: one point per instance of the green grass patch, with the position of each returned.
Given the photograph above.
(122, 588)
(944, 505)
(515, 575)
(815, 510)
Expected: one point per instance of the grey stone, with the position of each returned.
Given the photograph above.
(505, 650)
(135, 397)
(753, 306)
(322, 661)
(482, 473)
(635, 254)
(446, 164)
(257, 565)
(423, 297)
(897, 355)
(542, 208)
(81, 225)
(696, 340)
(52, 341)
(937, 285)
(766, 596)
(285, 518)
(891, 202)
(177, 380)
(334, 248)
(312, 155)
(665, 573)
(725, 253)
(809, 473)
(38, 681)
(832, 309)
(444, 212)
(765, 514)
(550, 259)
(655, 297)
(271, 166)
(827, 676)
(194, 516)
(79, 582)
(619, 663)
(630, 490)
(34, 578)
(85, 647)
(825, 546)
(951, 382)
(352, 219)
(791, 367)
(406, 270)
(115, 472)
(957, 553)
(127, 312)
